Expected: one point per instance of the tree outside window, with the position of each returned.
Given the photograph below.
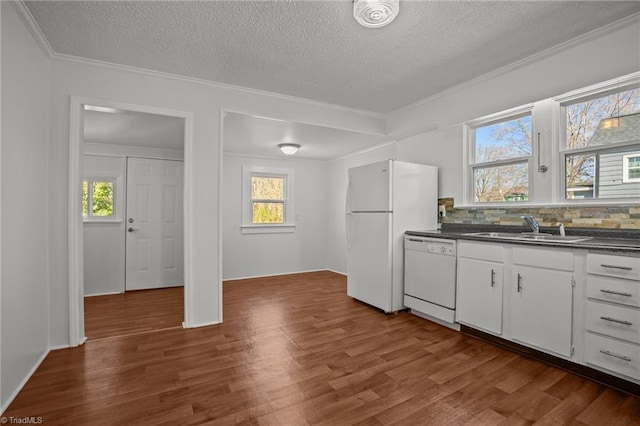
(597, 135)
(267, 199)
(97, 198)
(501, 160)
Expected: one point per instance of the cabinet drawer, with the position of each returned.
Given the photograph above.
(480, 251)
(616, 321)
(544, 258)
(620, 357)
(614, 290)
(614, 266)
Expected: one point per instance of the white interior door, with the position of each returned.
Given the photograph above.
(154, 228)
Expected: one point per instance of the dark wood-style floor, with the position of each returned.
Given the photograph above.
(295, 350)
(133, 312)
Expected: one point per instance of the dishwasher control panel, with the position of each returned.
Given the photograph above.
(430, 245)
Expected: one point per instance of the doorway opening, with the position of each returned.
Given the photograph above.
(128, 247)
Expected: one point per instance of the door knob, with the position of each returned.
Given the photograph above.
(131, 230)
(130, 220)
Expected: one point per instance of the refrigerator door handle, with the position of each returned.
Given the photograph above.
(347, 214)
(347, 228)
(347, 206)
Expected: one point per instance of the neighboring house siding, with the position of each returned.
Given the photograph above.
(610, 176)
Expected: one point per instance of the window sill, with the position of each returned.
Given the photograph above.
(267, 229)
(101, 221)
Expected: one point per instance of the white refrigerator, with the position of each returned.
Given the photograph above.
(384, 200)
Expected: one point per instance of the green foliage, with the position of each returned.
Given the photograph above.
(85, 198)
(100, 196)
(268, 197)
(268, 213)
(267, 188)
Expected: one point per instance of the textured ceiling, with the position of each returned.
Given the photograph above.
(315, 49)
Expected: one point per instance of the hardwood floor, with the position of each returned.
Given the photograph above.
(133, 312)
(295, 350)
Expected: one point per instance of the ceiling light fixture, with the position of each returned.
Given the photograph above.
(289, 148)
(375, 13)
(101, 109)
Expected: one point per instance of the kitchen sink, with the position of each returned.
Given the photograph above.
(530, 236)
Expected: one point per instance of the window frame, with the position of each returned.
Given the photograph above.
(625, 167)
(117, 208)
(628, 82)
(470, 166)
(247, 225)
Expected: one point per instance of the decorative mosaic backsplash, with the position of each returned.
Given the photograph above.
(618, 217)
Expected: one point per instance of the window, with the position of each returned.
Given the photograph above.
(601, 144)
(499, 152)
(631, 167)
(98, 199)
(267, 200)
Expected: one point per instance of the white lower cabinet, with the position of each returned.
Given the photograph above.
(541, 308)
(552, 298)
(612, 341)
(480, 294)
(616, 356)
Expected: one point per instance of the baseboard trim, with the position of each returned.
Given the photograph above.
(24, 382)
(337, 272)
(56, 348)
(103, 294)
(203, 324)
(276, 275)
(563, 364)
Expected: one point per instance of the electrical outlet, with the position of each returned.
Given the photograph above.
(442, 211)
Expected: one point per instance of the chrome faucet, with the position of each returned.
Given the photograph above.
(560, 226)
(535, 226)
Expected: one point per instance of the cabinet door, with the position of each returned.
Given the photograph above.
(479, 297)
(541, 308)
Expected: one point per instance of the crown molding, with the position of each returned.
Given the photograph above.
(32, 26)
(598, 32)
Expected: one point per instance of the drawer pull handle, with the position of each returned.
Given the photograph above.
(493, 278)
(622, 357)
(624, 268)
(519, 283)
(616, 320)
(617, 293)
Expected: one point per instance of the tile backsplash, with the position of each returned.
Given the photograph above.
(612, 217)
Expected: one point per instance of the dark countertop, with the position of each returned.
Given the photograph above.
(601, 239)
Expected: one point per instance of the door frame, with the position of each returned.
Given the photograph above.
(76, 243)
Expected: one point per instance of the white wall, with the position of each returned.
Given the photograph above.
(25, 205)
(104, 241)
(606, 54)
(250, 255)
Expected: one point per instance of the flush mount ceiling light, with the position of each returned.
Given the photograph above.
(101, 109)
(375, 13)
(289, 148)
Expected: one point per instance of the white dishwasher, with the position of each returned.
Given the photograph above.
(430, 278)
